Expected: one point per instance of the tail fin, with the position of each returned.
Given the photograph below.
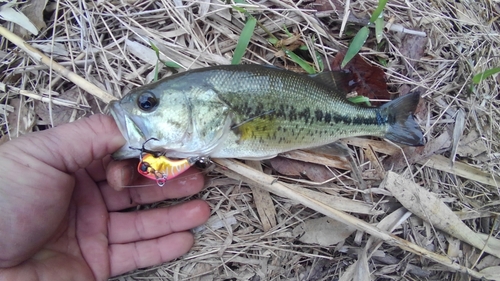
(399, 114)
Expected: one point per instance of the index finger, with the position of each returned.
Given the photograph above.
(186, 184)
(72, 146)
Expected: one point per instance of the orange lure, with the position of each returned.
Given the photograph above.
(161, 168)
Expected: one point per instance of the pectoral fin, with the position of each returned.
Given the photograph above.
(258, 128)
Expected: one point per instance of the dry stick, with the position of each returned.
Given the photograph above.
(272, 185)
(263, 201)
(41, 58)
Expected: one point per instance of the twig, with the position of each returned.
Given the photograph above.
(56, 101)
(41, 58)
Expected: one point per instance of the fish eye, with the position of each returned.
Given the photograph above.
(147, 101)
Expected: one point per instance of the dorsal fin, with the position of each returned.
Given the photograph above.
(334, 79)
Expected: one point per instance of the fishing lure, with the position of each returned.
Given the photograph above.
(161, 168)
(158, 167)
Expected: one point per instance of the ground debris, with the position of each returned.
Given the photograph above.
(108, 44)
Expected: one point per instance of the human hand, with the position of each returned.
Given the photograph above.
(59, 216)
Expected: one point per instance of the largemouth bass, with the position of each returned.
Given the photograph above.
(252, 112)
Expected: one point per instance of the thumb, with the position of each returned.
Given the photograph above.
(73, 146)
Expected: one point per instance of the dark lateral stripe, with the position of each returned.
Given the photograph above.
(328, 117)
(291, 113)
(380, 120)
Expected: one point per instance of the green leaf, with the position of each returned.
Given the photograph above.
(379, 29)
(483, 75)
(380, 8)
(246, 35)
(157, 51)
(273, 41)
(153, 46)
(240, 9)
(356, 44)
(382, 61)
(298, 60)
(288, 33)
(360, 99)
(320, 62)
(171, 64)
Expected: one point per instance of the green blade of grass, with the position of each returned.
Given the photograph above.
(273, 41)
(378, 11)
(320, 62)
(157, 51)
(379, 29)
(239, 9)
(360, 99)
(298, 60)
(483, 75)
(356, 44)
(288, 33)
(171, 64)
(303, 48)
(246, 35)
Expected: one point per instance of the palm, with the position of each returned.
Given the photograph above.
(63, 253)
(62, 223)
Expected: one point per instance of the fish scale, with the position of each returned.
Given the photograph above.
(252, 112)
(301, 111)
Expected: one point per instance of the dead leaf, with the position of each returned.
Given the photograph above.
(263, 201)
(323, 231)
(458, 130)
(379, 170)
(412, 49)
(492, 273)
(144, 53)
(56, 49)
(224, 12)
(366, 79)
(362, 271)
(289, 167)
(22, 119)
(10, 13)
(60, 114)
(437, 162)
(318, 158)
(471, 145)
(201, 272)
(204, 7)
(339, 202)
(454, 248)
(34, 11)
(388, 223)
(411, 154)
(326, 5)
(465, 14)
(488, 261)
(430, 208)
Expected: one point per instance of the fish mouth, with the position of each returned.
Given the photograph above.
(129, 130)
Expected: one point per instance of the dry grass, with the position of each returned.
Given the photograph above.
(99, 40)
